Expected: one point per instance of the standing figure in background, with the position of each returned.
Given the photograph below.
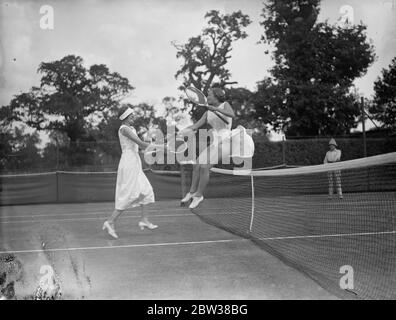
(333, 155)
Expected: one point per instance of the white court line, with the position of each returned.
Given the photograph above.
(33, 220)
(88, 213)
(356, 202)
(99, 214)
(329, 235)
(94, 218)
(145, 245)
(196, 242)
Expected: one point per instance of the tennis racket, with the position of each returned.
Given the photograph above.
(176, 146)
(197, 97)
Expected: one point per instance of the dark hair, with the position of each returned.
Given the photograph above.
(219, 94)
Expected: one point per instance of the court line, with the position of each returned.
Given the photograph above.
(99, 214)
(145, 245)
(356, 202)
(93, 218)
(88, 213)
(194, 242)
(33, 220)
(329, 235)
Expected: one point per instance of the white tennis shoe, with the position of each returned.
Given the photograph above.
(110, 230)
(148, 225)
(195, 202)
(187, 197)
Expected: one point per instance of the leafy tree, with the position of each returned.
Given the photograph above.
(19, 150)
(70, 99)
(5, 148)
(205, 56)
(242, 101)
(384, 102)
(309, 92)
(106, 133)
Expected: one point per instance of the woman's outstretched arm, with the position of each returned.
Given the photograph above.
(227, 111)
(128, 132)
(197, 124)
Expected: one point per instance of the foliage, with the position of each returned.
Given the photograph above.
(18, 149)
(309, 92)
(384, 103)
(70, 99)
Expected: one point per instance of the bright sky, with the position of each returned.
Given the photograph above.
(134, 39)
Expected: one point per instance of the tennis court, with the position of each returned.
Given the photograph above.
(183, 259)
(214, 251)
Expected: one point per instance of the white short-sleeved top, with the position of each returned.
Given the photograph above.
(332, 156)
(126, 143)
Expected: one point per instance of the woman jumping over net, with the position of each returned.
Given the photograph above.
(222, 130)
(133, 188)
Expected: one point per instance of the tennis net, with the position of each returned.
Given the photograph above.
(347, 245)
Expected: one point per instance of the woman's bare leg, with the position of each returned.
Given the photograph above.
(114, 216)
(204, 173)
(195, 178)
(143, 214)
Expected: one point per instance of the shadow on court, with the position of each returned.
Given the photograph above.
(183, 259)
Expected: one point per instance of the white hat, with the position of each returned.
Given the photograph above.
(332, 142)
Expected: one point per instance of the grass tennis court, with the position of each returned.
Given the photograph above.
(309, 236)
(318, 236)
(183, 259)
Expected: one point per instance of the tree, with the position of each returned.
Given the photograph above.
(384, 102)
(205, 56)
(5, 148)
(106, 133)
(242, 101)
(70, 98)
(18, 149)
(309, 92)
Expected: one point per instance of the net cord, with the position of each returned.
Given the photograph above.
(383, 159)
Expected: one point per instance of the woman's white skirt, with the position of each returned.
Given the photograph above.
(227, 144)
(132, 188)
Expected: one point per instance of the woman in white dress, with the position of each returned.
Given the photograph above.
(222, 131)
(133, 188)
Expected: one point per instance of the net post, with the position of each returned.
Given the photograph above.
(57, 185)
(364, 140)
(57, 155)
(283, 151)
(363, 127)
(252, 212)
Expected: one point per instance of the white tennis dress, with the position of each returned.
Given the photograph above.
(234, 143)
(132, 188)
